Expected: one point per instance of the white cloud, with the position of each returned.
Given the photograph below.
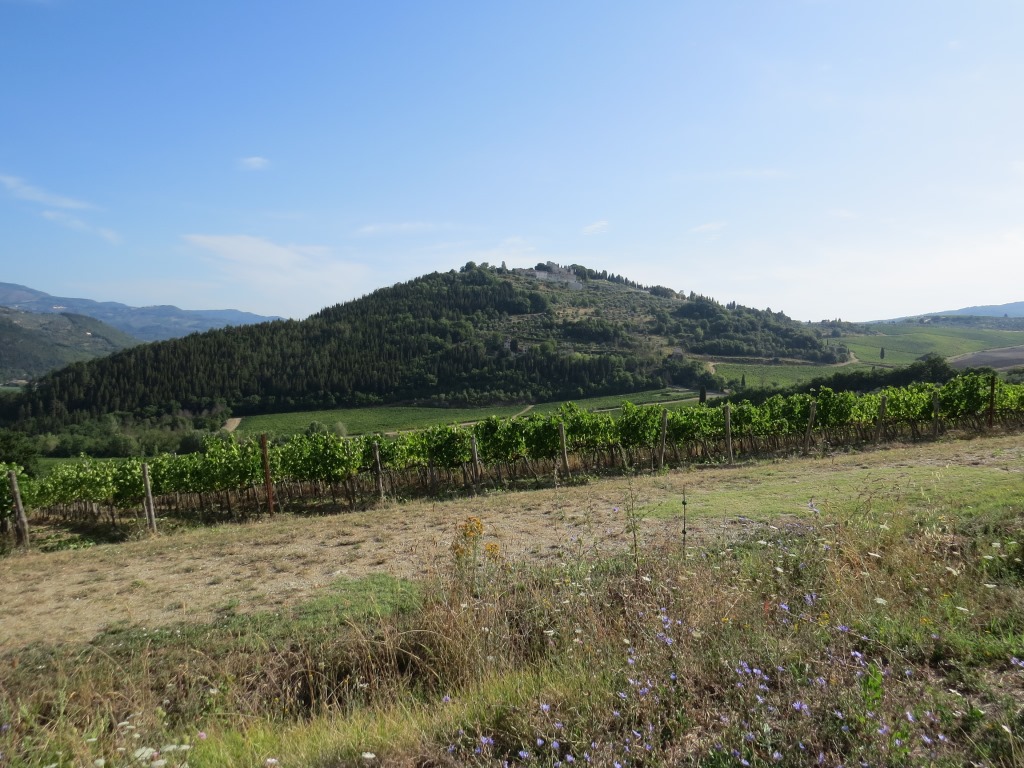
(23, 191)
(711, 226)
(597, 228)
(254, 163)
(284, 279)
(72, 222)
(400, 228)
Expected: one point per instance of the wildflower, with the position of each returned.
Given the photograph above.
(485, 740)
(540, 742)
(271, 761)
(523, 754)
(800, 706)
(555, 745)
(545, 707)
(776, 756)
(446, 699)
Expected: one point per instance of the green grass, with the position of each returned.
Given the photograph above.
(887, 632)
(613, 402)
(782, 375)
(357, 421)
(906, 342)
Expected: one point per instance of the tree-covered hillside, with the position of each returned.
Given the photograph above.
(480, 335)
(32, 344)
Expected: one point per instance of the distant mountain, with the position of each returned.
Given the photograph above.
(479, 335)
(1013, 309)
(32, 344)
(145, 323)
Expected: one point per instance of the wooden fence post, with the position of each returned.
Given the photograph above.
(880, 428)
(728, 432)
(810, 427)
(565, 452)
(150, 508)
(378, 470)
(266, 474)
(991, 400)
(21, 538)
(664, 438)
(935, 414)
(476, 459)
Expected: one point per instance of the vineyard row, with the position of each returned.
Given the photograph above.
(237, 479)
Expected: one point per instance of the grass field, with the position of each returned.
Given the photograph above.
(906, 342)
(535, 627)
(356, 421)
(778, 375)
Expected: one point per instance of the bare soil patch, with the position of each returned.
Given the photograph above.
(272, 564)
(1001, 358)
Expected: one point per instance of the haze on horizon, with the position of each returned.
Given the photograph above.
(860, 160)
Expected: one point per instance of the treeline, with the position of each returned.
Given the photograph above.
(498, 451)
(474, 337)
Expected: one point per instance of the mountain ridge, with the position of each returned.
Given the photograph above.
(149, 323)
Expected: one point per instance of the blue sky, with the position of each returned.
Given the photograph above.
(860, 159)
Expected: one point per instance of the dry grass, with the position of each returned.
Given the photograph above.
(191, 575)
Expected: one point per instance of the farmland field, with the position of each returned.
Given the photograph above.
(358, 421)
(782, 375)
(906, 342)
(476, 630)
(1007, 357)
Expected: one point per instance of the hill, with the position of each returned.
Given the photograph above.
(1013, 309)
(32, 344)
(146, 323)
(480, 335)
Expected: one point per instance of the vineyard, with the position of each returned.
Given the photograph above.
(235, 479)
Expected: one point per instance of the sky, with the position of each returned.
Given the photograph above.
(859, 159)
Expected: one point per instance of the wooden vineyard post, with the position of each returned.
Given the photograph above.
(880, 429)
(21, 538)
(935, 414)
(150, 508)
(810, 427)
(476, 459)
(378, 470)
(728, 433)
(266, 474)
(991, 400)
(664, 438)
(565, 453)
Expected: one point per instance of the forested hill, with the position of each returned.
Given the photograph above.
(32, 344)
(474, 336)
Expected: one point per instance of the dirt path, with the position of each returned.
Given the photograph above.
(231, 424)
(269, 565)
